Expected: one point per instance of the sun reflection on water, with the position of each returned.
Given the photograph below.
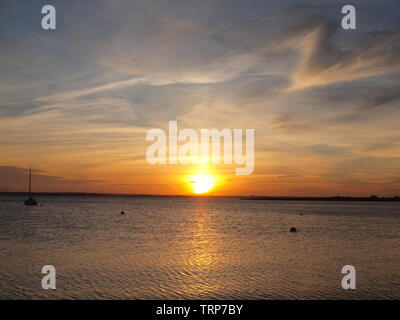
(204, 254)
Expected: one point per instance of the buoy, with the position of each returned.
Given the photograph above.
(122, 212)
(293, 229)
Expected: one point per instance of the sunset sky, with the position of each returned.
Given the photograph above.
(76, 102)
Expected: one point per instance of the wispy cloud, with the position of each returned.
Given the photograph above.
(323, 61)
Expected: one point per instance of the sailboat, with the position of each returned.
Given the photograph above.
(31, 201)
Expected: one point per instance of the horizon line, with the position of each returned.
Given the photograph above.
(251, 197)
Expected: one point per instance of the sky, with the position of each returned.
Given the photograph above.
(77, 102)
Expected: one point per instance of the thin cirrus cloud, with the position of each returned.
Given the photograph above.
(323, 62)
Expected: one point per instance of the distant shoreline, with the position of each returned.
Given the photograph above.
(285, 198)
(336, 198)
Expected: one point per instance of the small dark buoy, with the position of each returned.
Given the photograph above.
(122, 212)
(293, 229)
(301, 214)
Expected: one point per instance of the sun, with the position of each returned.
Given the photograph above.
(202, 183)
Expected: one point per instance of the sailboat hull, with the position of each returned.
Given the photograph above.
(30, 202)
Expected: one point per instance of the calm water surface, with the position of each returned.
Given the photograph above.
(188, 248)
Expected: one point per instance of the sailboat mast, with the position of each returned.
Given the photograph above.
(30, 201)
(29, 180)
